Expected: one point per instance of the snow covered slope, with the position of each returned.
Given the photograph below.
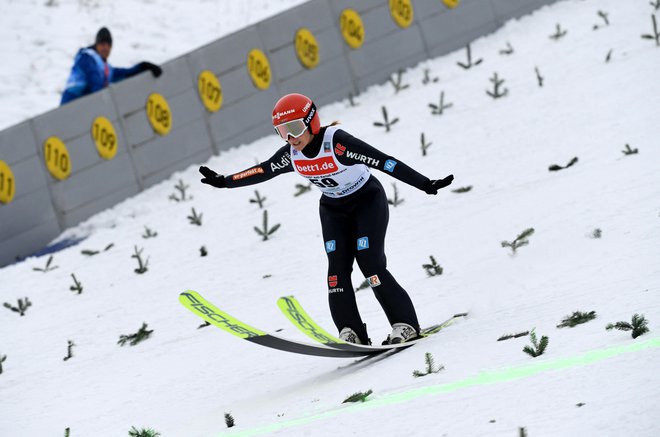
(595, 247)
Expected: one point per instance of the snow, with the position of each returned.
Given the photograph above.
(183, 380)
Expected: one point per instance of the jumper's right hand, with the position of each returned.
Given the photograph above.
(212, 178)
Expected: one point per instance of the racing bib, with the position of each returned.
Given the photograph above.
(327, 173)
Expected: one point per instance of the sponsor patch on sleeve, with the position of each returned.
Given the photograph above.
(374, 281)
(390, 164)
(247, 173)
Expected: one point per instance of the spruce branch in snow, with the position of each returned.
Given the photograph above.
(628, 151)
(577, 318)
(441, 106)
(597, 233)
(462, 189)
(396, 83)
(539, 78)
(181, 187)
(148, 233)
(559, 33)
(302, 189)
(396, 201)
(48, 266)
(202, 251)
(229, 420)
(520, 241)
(136, 338)
(427, 77)
(655, 35)
(90, 252)
(144, 432)
(432, 269)
(358, 397)
(21, 306)
(265, 232)
(67, 432)
(469, 64)
(425, 145)
(555, 167)
(604, 16)
(430, 367)
(655, 4)
(510, 336)
(194, 218)
(609, 56)
(69, 350)
(258, 199)
(539, 346)
(77, 285)
(386, 124)
(497, 82)
(142, 265)
(508, 50)
(522, 432)
(3, 358)
(638, 325)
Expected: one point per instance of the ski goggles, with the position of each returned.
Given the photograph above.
(295, 128)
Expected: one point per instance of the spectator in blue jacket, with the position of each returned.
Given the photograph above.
(91, 71)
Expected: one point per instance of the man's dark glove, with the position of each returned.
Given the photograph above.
(155, 69)
(212, 178)
(433, 186)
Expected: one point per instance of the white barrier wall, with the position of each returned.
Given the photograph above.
(61, 167)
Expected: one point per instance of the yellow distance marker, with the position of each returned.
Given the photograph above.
(451, 4)
(159, 114)
(259, 69)
(7, 184)
(210, 91)
(402, 12)
(352, 28)
(307, 48)
(57, 158)
(105, 137)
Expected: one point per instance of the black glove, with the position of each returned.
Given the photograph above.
(155, 69)
(433, 186)
(212, 178)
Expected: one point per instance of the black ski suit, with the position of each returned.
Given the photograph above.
(354, 227)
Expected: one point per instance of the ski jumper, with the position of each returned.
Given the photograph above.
(354, 216)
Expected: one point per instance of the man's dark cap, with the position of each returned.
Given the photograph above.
(103, 35)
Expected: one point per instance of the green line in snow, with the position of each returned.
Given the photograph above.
(484, 378)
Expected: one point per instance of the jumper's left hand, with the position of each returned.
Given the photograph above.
(433, 186)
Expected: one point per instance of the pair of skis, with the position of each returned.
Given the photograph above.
(327, 345)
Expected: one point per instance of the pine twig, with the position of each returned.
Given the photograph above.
(638, 325)
(577, 318)
(47, 268)
(21, 306)
(258, 199)
(520, 241)
(302, 189)
(555, 167)
(559, 33)
(266, 232)
(430, 367)
(77, 286)
(136, 338)
(441, 106)
(386, 124)
(69, 349)
(396, 201)
(432, 269)
(425, 145)
(497, 92)
(148, 233)
(656, 34)
(538, 346)
(142, 266)
(229, 420)
(358, 397)
(396, 83)
(194, 218)
(427, 77)
(628, 151)
(469, 63)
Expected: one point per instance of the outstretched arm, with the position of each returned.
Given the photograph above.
(350, 150)
(278, 164)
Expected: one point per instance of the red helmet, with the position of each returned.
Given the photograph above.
(295, 107)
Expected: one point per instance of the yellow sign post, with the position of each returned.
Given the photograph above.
(352, 28)
(7, 185)
(105, 137)
(158, 113)
(259, 69)
(57, 158)
(307, 48)
(210, 90)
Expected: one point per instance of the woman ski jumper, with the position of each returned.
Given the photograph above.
(353, 209)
